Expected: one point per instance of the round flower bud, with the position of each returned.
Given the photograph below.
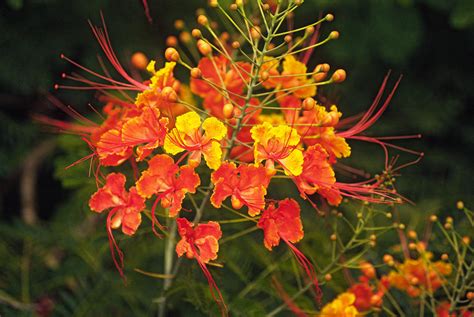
(387, 258)
(264, 76)
(171, 54)
(169, 94)
(329, 17)
(204, 48)
(334, 35)
(235, 44)
(460, 205)
(255, 32)
(339, 76)
(236, 203)
(202, 19)
(185, 37)
(228, 110)
(412, 234)
(179, 24)
(308, 104)
(139, 60)
(288, 38)
(213, 3)
(333, 237)
(196, 33)
(196, 73)
(309, 30)
(444, 257)
(171, 41)
(433, 218)
(328, 277)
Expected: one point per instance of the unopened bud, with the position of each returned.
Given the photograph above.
(334, 35)
(239, 3)
(236, 203)
(185, 37)
(309, 30)
(196, 73)
(171, 41)
(444, 257)
(265, 6)
(213, 3)
(196, 33)
(333, 237)
(412, 234)
(255, 32)
(466, 240)
(235, 45)
(412, 246)
(139, 60)
(204, 47)
(228, 110)
(339, 76)
(329, 17)
(233, 7)
(288, 38)
(308, 104)
(433, 218)
(179, 24)
(460, 205)
(171, 54)
(202, 19)
(169, 94)
(387, 258)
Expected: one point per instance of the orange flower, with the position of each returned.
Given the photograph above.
(125, 212)
(147, 128)
(186, 136)
(284, 222)
(318, 176)
(202, 243)
(278, 144)
(414, 275)
(220, 81)
(246, 185)
(368, 296)
(443, 308)
(169, 182)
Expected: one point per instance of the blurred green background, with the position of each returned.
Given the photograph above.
(53, 254)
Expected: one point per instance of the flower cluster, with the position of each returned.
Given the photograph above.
(249, 115)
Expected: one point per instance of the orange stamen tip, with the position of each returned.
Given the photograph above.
(288, 38)
(171, 41)
(308, 104)
(228, 110)
(202, 19)
(171, 54)
(196, 33)
(329, 17)
(334, 35)
(339, 76)
(196, 73)
(204, 48)
(139, 60)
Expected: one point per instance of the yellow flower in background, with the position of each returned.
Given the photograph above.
(342, 306)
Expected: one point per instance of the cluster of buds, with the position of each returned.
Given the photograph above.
(249, 114)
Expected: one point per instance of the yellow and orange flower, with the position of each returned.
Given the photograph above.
(342, 306)
(278, 144)
(169, 182)
(246, 185)
(317, 126)
(187, 136)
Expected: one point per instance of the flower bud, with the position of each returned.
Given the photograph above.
(309, 30)
(196, 73)
(333, 237)
(255, 32)
(328, 277)
(339, 76)
(196, 33)
(264, 76)
(236, 203)
(460, 205)
(235, 45)
(213, 3)
(288, 38)
(433, 218)
(367, 269)
(185, 37)
(444, 257)
(334, 35)
(139, 60)
(412, 234)
(202, 19)
(204, 48)
(329, 17)
(168, 94)
(308, 104)
(171, 54)
(179, 24)
(228, 110)
(171, 41)
(387, 258)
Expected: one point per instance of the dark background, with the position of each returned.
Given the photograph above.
(430, 42)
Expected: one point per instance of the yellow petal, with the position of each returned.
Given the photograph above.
(213, 155)
(260, 133)
(170, 147)
(151, 66)
(292, 66)
(293, 163)
(287, 135)
(188, 123)
(214, 128)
